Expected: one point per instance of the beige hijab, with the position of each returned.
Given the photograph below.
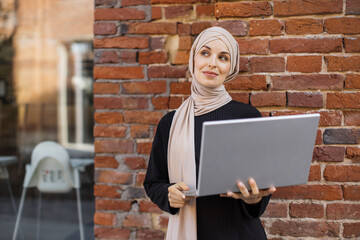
(181, 147)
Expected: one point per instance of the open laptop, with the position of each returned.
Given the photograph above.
(275, 151)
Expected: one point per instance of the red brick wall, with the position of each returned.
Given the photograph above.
(297, 56)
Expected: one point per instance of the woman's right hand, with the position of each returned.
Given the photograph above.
(177, 199)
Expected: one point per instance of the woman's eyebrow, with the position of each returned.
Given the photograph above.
(223, 52)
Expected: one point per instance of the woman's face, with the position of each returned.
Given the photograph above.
(212, 64)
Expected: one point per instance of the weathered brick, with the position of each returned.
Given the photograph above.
(120, 103)
(178, 11)
(343, 211)
(111, 233)
(135, 192)
(345, 25)
(342, 173)
(352, 193)
(235, 27)
(264, 99)
(167, 71)
(306, 210)
(253, 45)
(105, 3)
(352, 44)
(137, 220)
(301, 26)
(341, 136)
(113, 146)
(305, 99)
(118, 72)
(329, 154)
(107, 191)
(105, 204)
(351, 230)
(109, 131)
(267, 64)
(105, 56)
(156, 13)
(318, 140)
(306, 64)
(139, 131)
(178, 1)
(148, 87)
(119, 14)
(205, 10)
(128, 56)
(180, 88)
(352, 81)
(163, 221)
(268, 27)
(122, 42)
(276, 210)
(184, 29)
(135, 163)
(305, 45)
(242, 9)
(175, 102)
(160, 102)
(352, 7)
(101, 28)
(342, 64)
(327, 118)
(198, 27)
(352, 118)
(307, 82)
(185, 43)
(353, 153)
(307, 7)
(106, 88)
(140, 177)
(252, 82)
(148, 206)
(305, 229)
(107, 219)
(244, 64)
(157, 43)
(113, 177)
(126, 3)
(152, 57)
(105, 162)
(144, 147)
(315, 173)
(151, 28)
(317, 192)
(108, 117)
(149, 117)
(343, 100)
(149, 234)
(181, 57)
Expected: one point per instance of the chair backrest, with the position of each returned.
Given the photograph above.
(50, 169)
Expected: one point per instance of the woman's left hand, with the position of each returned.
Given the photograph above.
(252, 197)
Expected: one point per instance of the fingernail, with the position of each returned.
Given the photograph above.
(251, 180)
(240, 184)
(183, 196)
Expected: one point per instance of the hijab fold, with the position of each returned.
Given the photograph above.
(181, 147)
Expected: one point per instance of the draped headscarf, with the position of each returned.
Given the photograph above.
(181, 147)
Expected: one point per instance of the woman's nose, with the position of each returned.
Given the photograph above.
(212, 62)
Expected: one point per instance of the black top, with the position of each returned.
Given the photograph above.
(217, 217)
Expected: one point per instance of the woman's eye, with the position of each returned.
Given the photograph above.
(205, 53)
(224, 58)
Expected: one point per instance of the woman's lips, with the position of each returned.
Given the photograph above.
(210, 74)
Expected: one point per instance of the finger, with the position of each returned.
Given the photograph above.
(183, 186)
(267, 192)
(243, 189)
(175, 189)
(253, 185)
(234, 195)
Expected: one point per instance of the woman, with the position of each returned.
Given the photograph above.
(174, 159)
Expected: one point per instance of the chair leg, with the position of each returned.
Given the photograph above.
(14, 205)
(19, 214)
(80, 214)
(38, 217)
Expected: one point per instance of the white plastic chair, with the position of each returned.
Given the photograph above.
(51, 172)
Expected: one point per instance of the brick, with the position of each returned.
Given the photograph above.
(175, 102)
(135, 163)
(163, 221)
(268, 27)
(167, 71)
(306, 210)
(105, 162)
(108, 117)
(342, 173)
(152, 28)
(106, 88)
(122, 42)
(118, 72)
(343, 211)
(352, 193)
(105, 204)
(327, 118)
(178, 11)
(105, 57)
(110, 131)
(105, 3)
(351, 230)
(244, 64)
(184, 29)
(185, 43)
(242, 9)
(319, 140)
(107, 191)
(136, 220)
(342, 64)
(118, 14)
(253, 45)
(345, 25)
(157, 43)
(352, 81)
(160, 102)
(139, 131)
(148, 87)
(178, 1)
(135, 192)
(315, 173)
(205, 10)
(352, 44)
(302, 26)
(113, 146)
(317, 229)
(101, 28)
(341, 136)
(305, 64)
(148, 117)
(308, 82)
(305, 45)
(267, 64)
(276, 210)
(148, 206)
(120, 103)
(106, 219)
(140, 177)
(126, 3)
(307, 7)
(329, 154)
(144, 147)
(305, 99)
(111, 233)
(352, 7)
(343, 100)
(152, 57)
(181, 57)
(128, 57)
(149, 234)
(316, 192)
(198, 27)
(180, 88)
(352, 118)
(264, 99)
(113, 177)
(252, 82)
(156, 13)
(353, 153)
(235, 27)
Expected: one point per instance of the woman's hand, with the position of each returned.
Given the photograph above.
(252, 197)
(176, 198)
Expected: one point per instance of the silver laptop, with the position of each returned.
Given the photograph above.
(275, 151)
